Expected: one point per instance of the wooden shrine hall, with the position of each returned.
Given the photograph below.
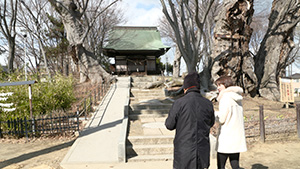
(135, 49)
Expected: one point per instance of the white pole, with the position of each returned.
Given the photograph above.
(167, 66)
(25, 60)
(25, 65)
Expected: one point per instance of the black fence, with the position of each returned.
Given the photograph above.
(39, 126)
(55, 124)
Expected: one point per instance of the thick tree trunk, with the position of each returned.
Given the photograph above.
(90, 69)
(231, 54)
(206, 82)
(276, 46)
(11, 51)
(176, 63)
(190, 63)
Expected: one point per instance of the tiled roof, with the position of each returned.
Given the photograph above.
(135, 38)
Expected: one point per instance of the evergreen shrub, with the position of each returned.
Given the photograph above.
(53, 95)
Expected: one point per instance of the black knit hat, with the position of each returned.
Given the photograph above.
(191, 80)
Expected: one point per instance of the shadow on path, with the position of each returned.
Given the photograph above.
(28, 156)
(259, 166)
(101, 127)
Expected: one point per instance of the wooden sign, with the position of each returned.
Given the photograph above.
(286, 90)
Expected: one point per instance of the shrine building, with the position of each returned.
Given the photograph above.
(135, 49)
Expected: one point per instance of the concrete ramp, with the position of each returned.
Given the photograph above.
(103, 139)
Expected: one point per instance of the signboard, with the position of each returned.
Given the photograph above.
(286, 90)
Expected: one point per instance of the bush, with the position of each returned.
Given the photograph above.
(54, 95)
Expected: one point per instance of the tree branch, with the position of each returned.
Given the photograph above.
(94, 20)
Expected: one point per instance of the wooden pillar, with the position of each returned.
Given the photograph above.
(126, 66)
(262, 124)
(298, 119)
(145, 66)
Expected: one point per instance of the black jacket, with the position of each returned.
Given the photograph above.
(192, 116)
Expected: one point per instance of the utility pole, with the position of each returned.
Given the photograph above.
(25, 55)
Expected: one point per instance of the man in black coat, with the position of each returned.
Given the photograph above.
(192, 116)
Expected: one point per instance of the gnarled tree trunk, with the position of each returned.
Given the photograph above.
(276, 46)
(176, 63)
(71, 15)
(231, 54)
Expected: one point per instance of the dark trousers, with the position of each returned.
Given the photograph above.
(233, 158)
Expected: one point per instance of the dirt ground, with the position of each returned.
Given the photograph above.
(278, 152)
(48, 153)
(41, 153)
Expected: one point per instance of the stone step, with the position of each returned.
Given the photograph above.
(151, 100)
(150, 106)
(146, 79)
(145, 116)
(152, 140)
(136, 90)
(139, 85)
(147, 97)
(146, 91)
(153, 149)
(141, 158)
(149, 111)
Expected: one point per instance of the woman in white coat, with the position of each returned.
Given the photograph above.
(231, 139)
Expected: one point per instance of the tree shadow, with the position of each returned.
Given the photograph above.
(259, 166)
(28, 156)
(92, 130)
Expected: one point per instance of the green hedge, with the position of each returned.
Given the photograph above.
(54, 95)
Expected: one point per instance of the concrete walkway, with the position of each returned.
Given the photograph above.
(103, 139)
(102, 143)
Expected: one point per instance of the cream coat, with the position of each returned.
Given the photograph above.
(231, 138)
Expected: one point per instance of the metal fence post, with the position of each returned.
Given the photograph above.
(26, 132)
(91, 102)
(95, 94)
(18, 126)
(98, 92)
(22, 130)
(9, 127)
(77, 114)
(262, 124)
(59, 119)
(102, 89)
(51, 123)
(298, 119)
(15, 127)
(85, 108)
(0, 130)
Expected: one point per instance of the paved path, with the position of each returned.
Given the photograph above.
(98, 146)
(99, 141)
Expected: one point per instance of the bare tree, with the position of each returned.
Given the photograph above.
(32, 20)
(276, 46)
(187, 26)
(231, 48)
(166, 32)
(98, 34)
(259, 26)
(77, 30)
(8, 19)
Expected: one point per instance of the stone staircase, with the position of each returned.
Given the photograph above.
(148, 139)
